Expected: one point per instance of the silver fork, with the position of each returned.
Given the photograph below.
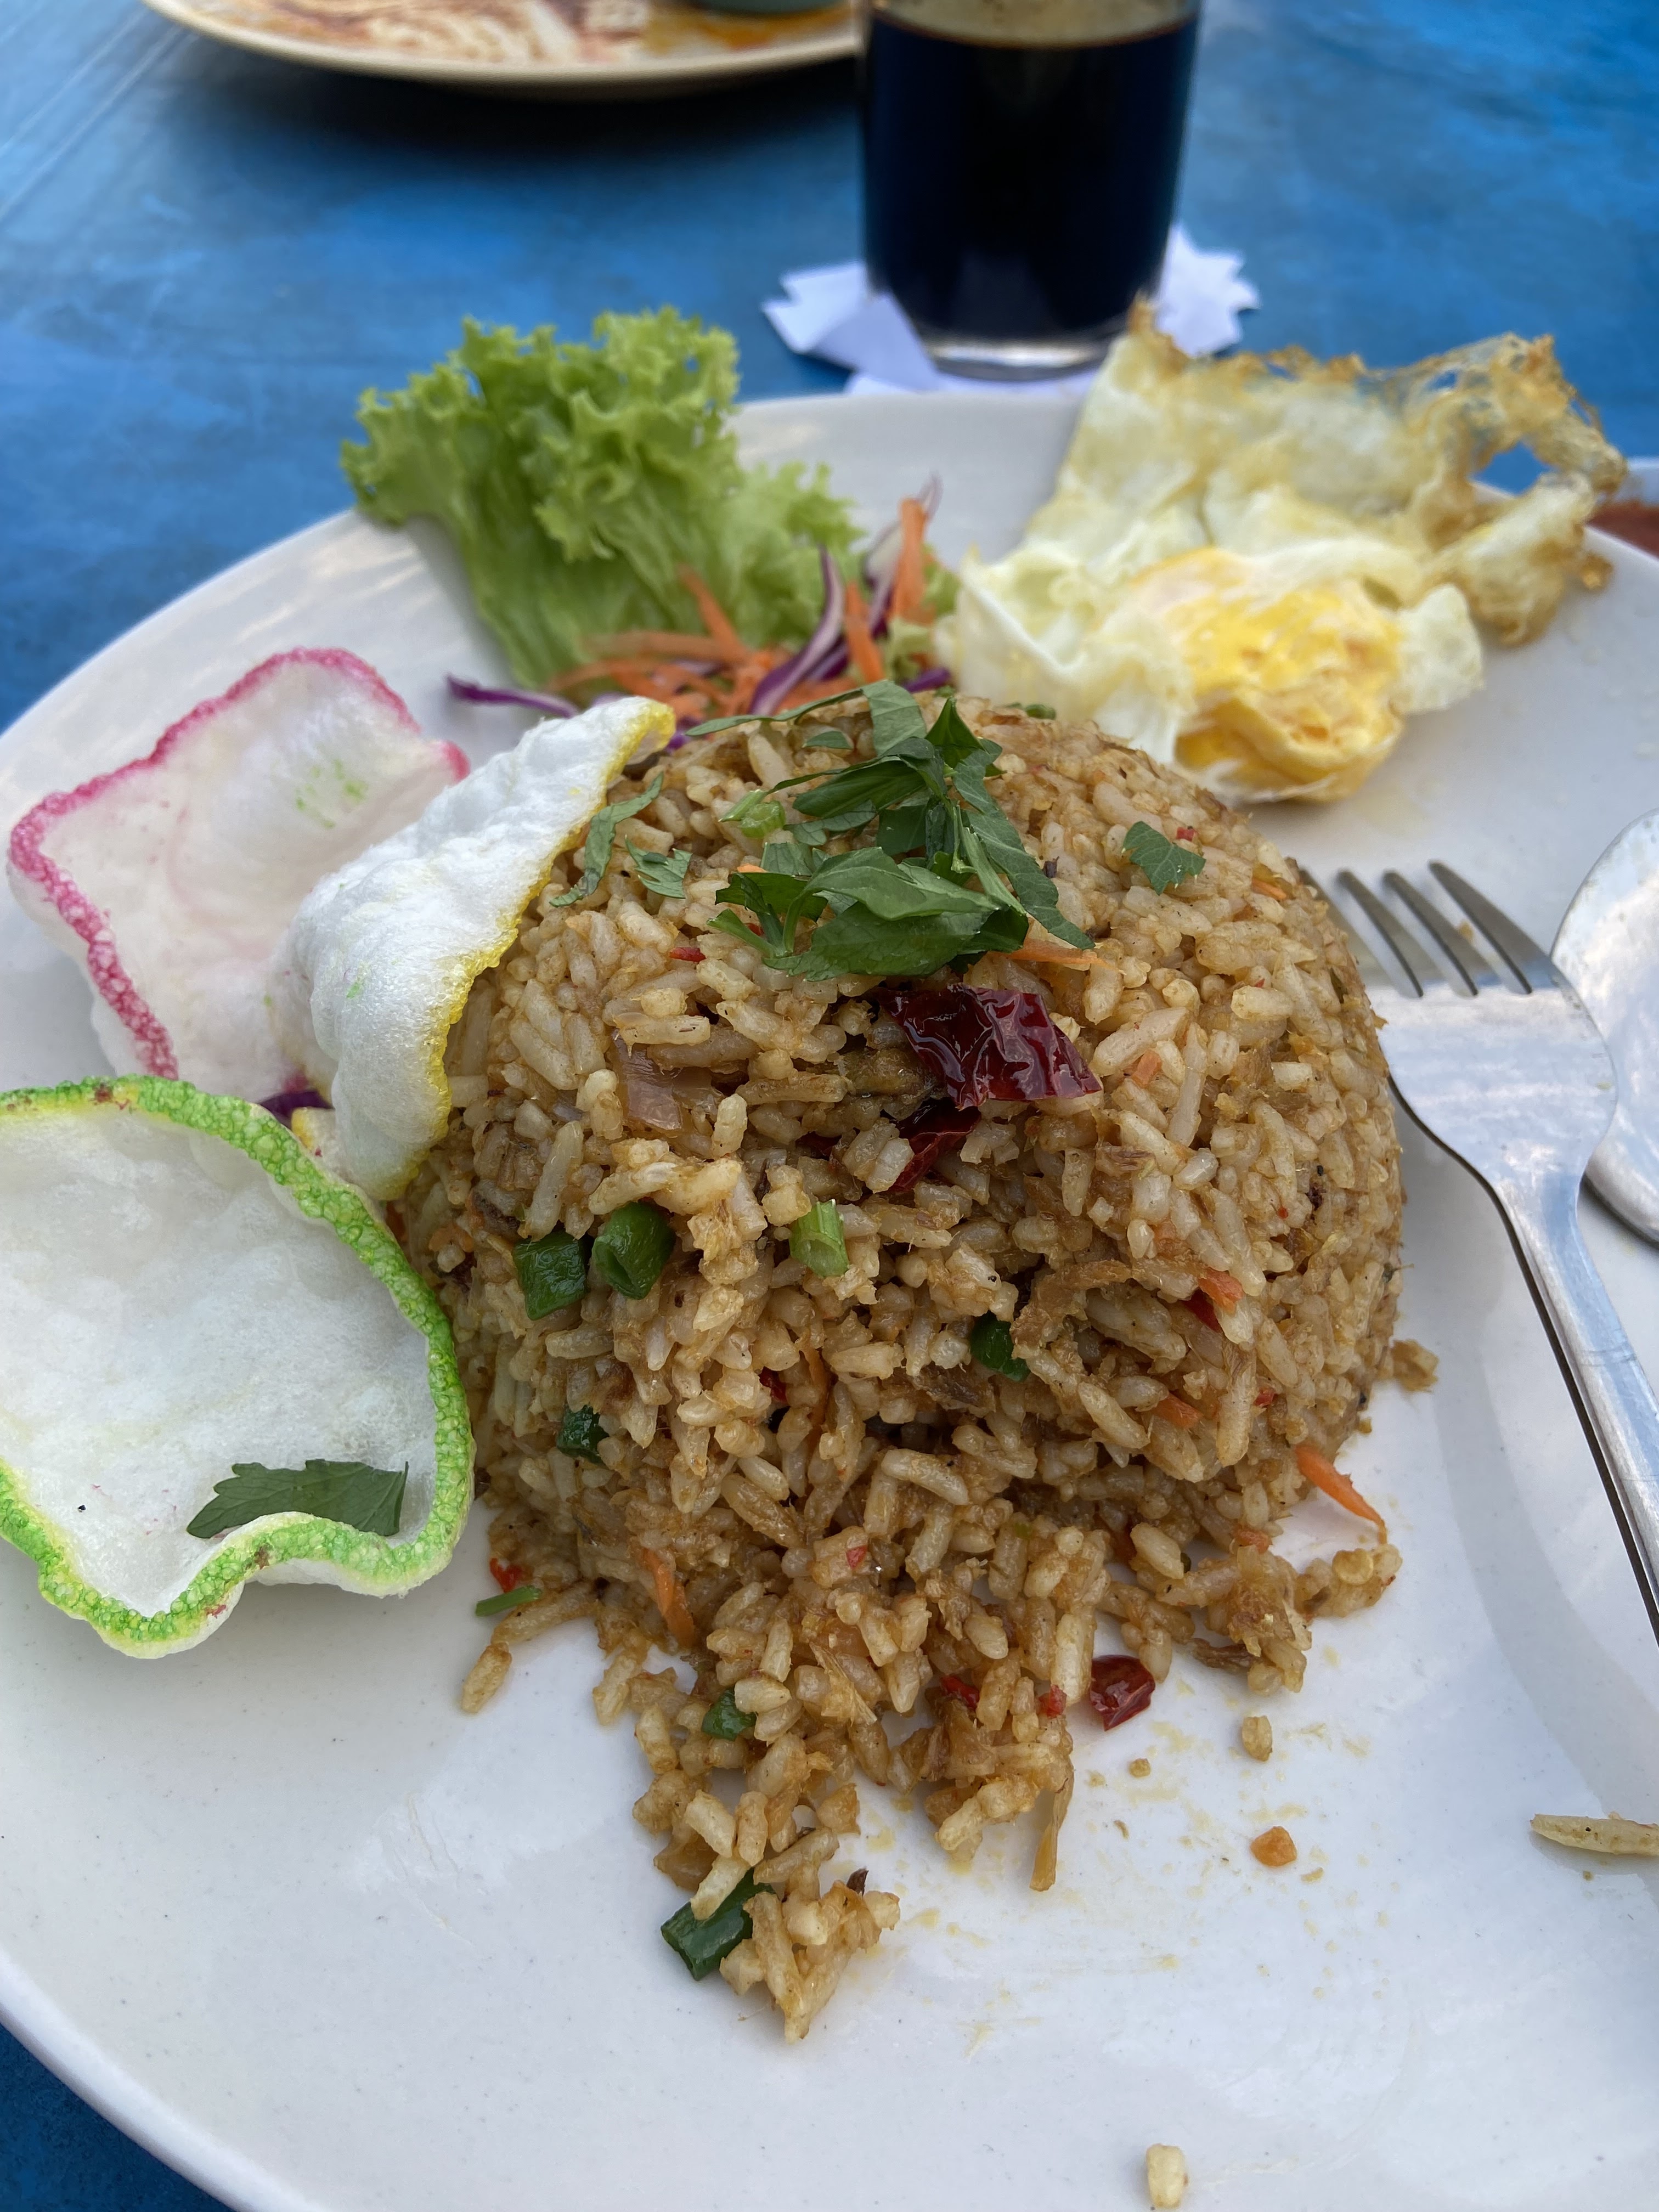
(1518, 1085)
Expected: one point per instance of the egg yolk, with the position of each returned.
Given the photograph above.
(1293, 685)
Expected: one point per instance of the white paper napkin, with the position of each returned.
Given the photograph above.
(832, 312)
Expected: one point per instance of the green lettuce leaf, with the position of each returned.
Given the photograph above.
(576, 481)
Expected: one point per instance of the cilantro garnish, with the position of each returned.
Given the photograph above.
(346, 1490)
(726, 1718)
(580, 1433)
(946, 878)
(1162, 863)
(662, 873)
(601, 836)
(992, 1343)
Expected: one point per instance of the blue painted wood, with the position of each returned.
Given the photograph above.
(205, 257)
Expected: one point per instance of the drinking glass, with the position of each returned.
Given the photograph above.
(1020, 160)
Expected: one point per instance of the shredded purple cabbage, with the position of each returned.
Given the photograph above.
(931, 679)
(803, 666)
(498, 695)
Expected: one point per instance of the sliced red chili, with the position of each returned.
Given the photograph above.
(953, 1686)
(990, 1044)
(687, 952)
(1119, 1688)
(509, 1578)
(1052, 1703)
(936, 1127)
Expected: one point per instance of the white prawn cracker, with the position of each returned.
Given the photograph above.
(377, 967)
(172, 879)
(182, 1289)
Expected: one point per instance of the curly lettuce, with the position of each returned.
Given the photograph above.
(578, 481)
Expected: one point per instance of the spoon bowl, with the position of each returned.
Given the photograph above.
(1607, 948)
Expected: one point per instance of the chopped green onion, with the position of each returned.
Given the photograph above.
(582, 1433)
(552, 1273)
(992, 1343)
(703, 1943)
(1038, 712)
(817, 1240)
(725, 1720)
(507, 1600)
(632, 1249)
(1163, 863)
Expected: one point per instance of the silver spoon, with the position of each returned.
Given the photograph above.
(1608, 950)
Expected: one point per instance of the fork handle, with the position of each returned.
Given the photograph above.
(1615, 1401)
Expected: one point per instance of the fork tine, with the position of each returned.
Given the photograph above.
(1420, 970)
(1531, 966)
(1464, 956)
(1372, 974)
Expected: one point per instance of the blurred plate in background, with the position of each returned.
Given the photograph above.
(566, 49)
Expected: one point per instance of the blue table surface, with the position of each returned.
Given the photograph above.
(205, 257)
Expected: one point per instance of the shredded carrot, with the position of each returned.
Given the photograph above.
(910, 580)
(1225, 1289)
(671, 1598)
(679, 645)
(861, 648)
(1057, 956)
(1146, 1068)
(1177, 1410)
(1325, 1475)
(1253, 1540)
(715, 620)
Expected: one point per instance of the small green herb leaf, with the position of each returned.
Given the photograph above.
(703, 1943)
(633, 1247)
(346, 1490)
(992, 1343)
(507, 1600)
(1162, 863)
(757, 816)
(1038, 712)
(601, 836)
(552, 1273)
(662, 873)
(827, 741)
(580, 1433)
(818, 1241)
(725, 1718)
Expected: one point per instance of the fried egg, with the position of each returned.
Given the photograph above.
(1255, 569)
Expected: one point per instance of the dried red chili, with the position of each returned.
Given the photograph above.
(1052, 1703)
(687, 952)
(509, 1578)
(1198, 1303)
(990, 1044)
(953, 1686)
(774, 1383)
(937, 1127)
(1119, 1688)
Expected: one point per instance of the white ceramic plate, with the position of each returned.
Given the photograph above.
(284, 1914)
(562, 49)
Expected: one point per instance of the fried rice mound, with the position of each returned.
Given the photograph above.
(890, 1561)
